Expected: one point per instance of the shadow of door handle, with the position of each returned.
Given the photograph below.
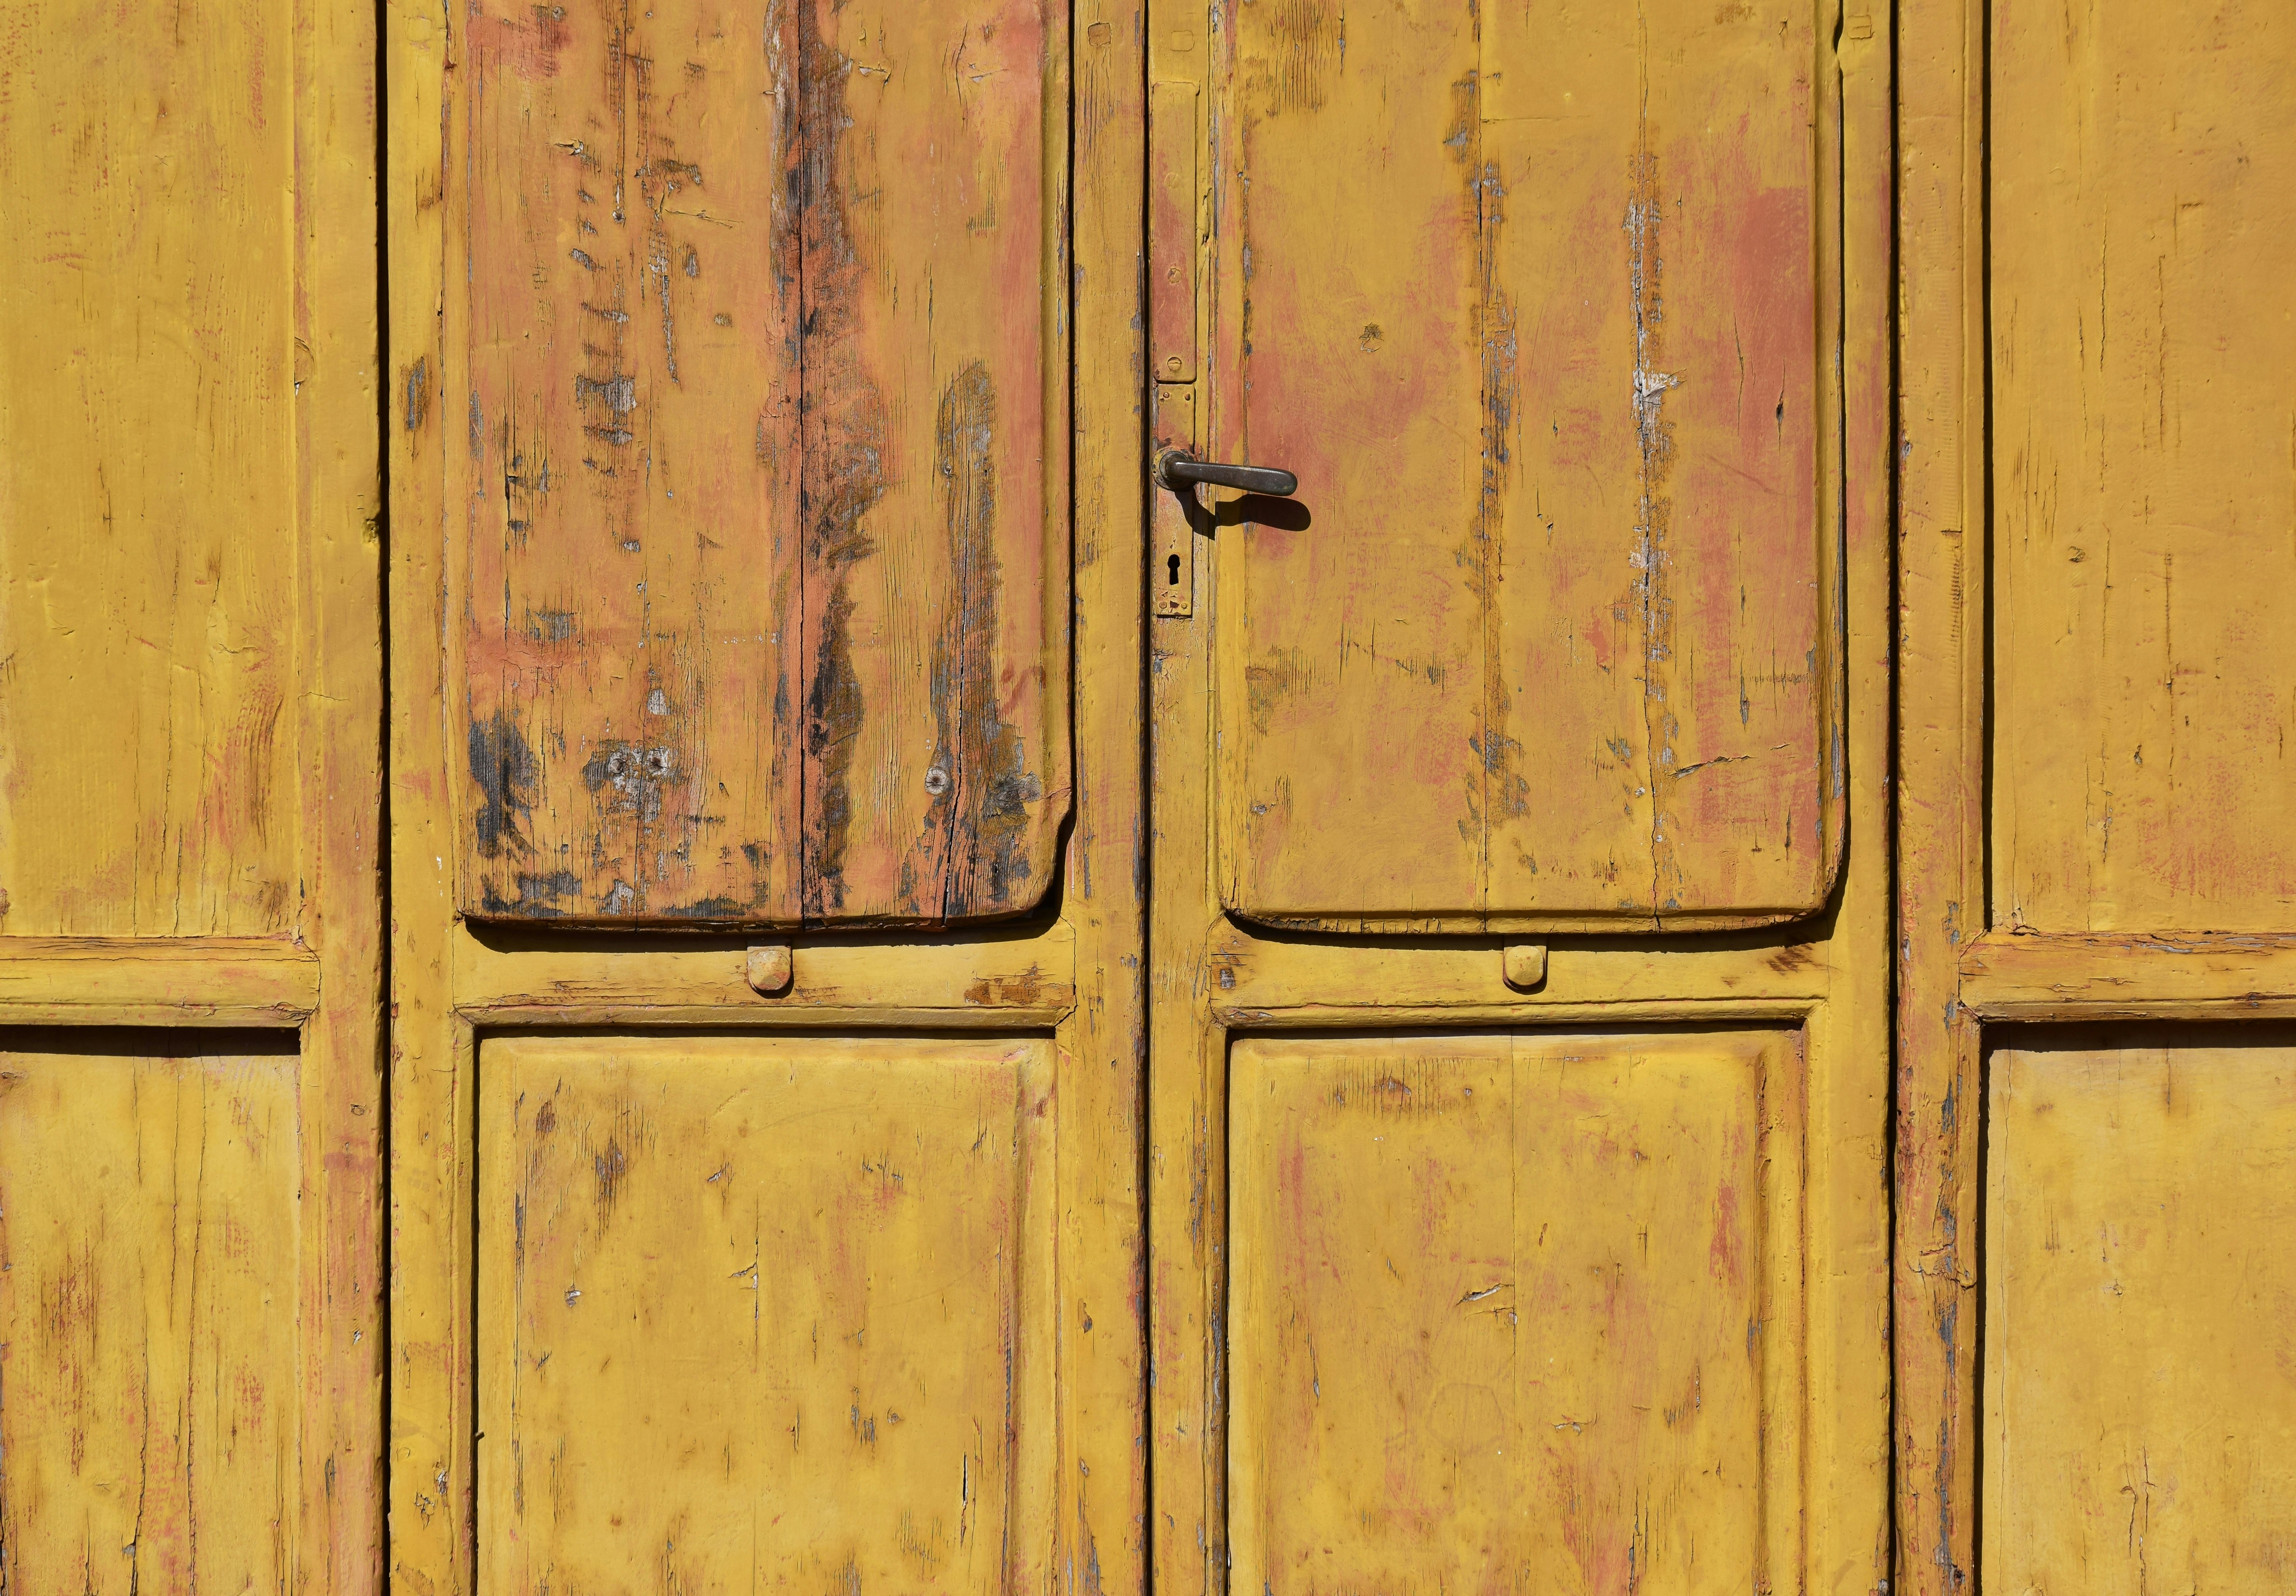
(1179, 471)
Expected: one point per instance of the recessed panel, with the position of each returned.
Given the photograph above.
(758, 1314)
(2144, 321)
(149, 527)
(151, 1396)
(2140, 1315)
(1532, 298)
(1514, 1312)
(759, 545)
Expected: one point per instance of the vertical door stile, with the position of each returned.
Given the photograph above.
(1939, 838)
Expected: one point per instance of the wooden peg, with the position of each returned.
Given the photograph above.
(770, 968)
(1524, 965)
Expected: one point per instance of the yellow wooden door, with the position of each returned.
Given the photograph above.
(777, 970)
(2097, 1387)
(1518, 1069)
(766, 851)
(192, 1094)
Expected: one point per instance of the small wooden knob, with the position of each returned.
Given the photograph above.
(770, 968)
(1524, 965)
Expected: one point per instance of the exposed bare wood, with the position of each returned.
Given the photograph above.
(760, 569)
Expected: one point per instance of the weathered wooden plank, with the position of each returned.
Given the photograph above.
(154, 1433)
(191, 775)
(149, 369)
(1939, 838)
(1525, 1304)
(977, 981)
(2141, 342)
(761, 599)
(2140, 1197)
(765, 1311)
(1538, 309)
(1101, 1525)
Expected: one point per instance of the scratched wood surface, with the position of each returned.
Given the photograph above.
(2141, 343)
(191, 716)
(1515, 1312)
(148, 377)
(2094, 701)
(764, 1313)
(1537, 307)
(760, 533)
(152, 1434)
(2140, 1382)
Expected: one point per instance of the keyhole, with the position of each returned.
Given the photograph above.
(1172, 570)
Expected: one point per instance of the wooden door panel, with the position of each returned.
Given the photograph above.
(2139, 1291)
(2093, 1379)
(150, 1305)
(759, 1309)
(149, 378)
(760, 538)
(191, 714)
(2147, 582)
(1537, 303)
(1519, 1307)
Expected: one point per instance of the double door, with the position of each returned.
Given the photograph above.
(673, 923)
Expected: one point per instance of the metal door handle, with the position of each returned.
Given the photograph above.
(1178, 469)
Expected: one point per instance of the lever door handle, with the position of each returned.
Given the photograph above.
(1178, 469)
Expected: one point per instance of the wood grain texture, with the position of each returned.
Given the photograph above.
(1222, 985)
(2140, 1379)
(1542, 308)
(758, 1313)
(2234, 974)
(1077, 978)
(947, 981)
(1939, 819)
(1517, 1309)
(1101, 1525)
(191, 711)
(149, 373)
(2146, 466)
(2094, 329)
(760, 573)
(153, 1433)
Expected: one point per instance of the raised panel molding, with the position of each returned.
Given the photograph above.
(753, 412)
(1526, 1306)
(1543, 306)
(764, 1309)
